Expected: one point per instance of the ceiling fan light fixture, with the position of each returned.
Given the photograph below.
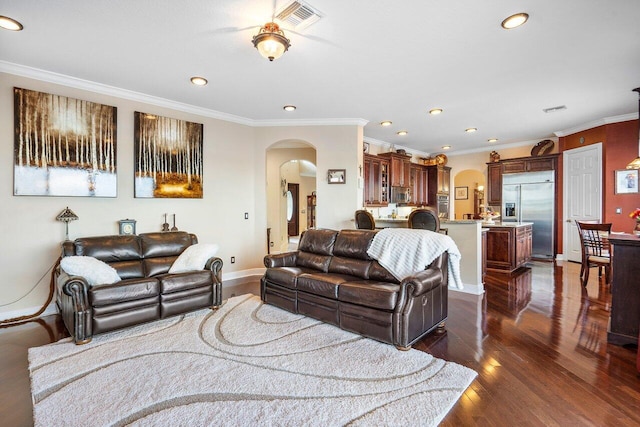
(514, 21)
(10, 24)
(199, 81)
(271, 42)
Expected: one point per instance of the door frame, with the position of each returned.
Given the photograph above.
(565, 191)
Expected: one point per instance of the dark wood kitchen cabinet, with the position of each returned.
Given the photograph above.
(399, 168)
(376, 181)
(418, 183)
(625, 290)
(508, 246)
(494, 184)
(438, 179)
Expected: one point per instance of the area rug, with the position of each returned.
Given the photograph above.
(244, 364)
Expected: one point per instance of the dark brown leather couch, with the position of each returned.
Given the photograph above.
(331, 278)
(146, 292)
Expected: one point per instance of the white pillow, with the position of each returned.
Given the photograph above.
(194, 257)
(92, 269)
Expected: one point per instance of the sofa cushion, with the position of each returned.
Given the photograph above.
(350, 266)
(92, 269)
(318, 241)
(382, 295)
(164, 243)
(313, 261)
(180, 281)
(194, 257)
(378, 272)
(158, 265)
(126, 290)
(286, 276)
(109, 248)
(323, 284)
(353, 243)
(129, 269)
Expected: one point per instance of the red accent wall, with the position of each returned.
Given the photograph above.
(619, 147)
(622, 147)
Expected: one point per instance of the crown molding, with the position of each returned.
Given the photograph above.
(596, 123)
(381, 143)
(74, 82)
(493, 147)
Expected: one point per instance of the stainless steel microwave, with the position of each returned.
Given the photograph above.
(400, 195)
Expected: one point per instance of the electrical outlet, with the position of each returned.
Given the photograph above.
(618, 210)
(233, 260)
(246, 215)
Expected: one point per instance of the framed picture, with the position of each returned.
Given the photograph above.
(462, 193)
(336, 176)
(626, 181)
(168, 158)
(63, 146)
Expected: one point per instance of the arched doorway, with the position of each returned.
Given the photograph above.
(290, 165)
(468, 194)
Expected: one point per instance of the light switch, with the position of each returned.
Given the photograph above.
(618, 210)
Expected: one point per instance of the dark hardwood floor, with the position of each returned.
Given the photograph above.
(536, 338)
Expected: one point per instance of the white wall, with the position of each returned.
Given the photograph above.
(234, 183)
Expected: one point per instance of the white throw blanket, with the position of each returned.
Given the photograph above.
(405, 251)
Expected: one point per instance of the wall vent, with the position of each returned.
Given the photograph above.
(554, 109)
(297, 15)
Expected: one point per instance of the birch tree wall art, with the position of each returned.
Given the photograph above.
(63, 146)
(168, 157)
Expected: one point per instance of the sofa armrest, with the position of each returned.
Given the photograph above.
(423, 281)
(215, 265)
(287, 259)
(74, 305)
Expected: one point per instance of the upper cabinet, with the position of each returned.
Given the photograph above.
(399, 168)
(495, 171)
(418, 183)
(438, 178)
(376, 181)
(494, 184)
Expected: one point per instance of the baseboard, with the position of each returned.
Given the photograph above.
(469, 289)
(51, 309)
(242, 274)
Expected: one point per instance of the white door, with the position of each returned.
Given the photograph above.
(582, 194)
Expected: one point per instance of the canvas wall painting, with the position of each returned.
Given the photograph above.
(168, 157)
(63, 146)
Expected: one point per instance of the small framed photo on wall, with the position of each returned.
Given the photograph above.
(462, 193)
(626, 181)
(336, 176)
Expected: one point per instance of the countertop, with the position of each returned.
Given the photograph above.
(506, 224)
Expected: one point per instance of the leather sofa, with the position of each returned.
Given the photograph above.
(331, 278)
(146, 291)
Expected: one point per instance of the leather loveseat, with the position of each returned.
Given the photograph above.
(146, 290)
(331, 278)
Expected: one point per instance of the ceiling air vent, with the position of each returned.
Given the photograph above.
(298, 15)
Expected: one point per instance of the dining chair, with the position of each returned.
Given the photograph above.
(424, 218)
(594, 240)
(364, 220)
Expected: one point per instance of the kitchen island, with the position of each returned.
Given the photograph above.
(508, 245)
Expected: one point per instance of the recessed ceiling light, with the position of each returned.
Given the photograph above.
(446, 147)
(469, 130)
(492, 140)
(199, 81)
(10, 24)
(402, 132)
(435, 111)
(386, 123)
(515, 21)
(289, 108)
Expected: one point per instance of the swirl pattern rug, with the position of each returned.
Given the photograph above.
(244, 364)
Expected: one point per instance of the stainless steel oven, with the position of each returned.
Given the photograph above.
(443, 206)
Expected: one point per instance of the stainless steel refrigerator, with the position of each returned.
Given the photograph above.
(529, 197)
